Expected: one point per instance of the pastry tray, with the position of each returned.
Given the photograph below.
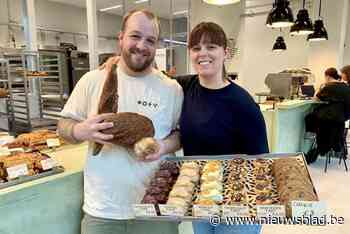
(225, 159)
(23, 179)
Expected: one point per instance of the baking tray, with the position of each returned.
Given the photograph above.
(187, 217)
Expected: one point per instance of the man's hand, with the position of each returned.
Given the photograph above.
(157, 155)
(109, 63)
(89, 129)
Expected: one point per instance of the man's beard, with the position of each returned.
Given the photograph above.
(134, 66)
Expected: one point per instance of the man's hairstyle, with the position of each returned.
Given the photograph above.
(147, 13)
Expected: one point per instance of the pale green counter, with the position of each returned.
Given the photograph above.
(51, 205)
(286, 126)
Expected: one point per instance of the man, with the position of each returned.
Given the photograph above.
(114, 180)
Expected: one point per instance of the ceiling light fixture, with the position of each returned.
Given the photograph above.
(281, 15)
(111, 8)
(320, 33)
(303, 24)
(220, 2)
(279, 45)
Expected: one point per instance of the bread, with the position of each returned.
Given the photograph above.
(129, 128)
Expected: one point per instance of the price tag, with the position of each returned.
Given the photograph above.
(144, 210)
(53, 142)
(16, 150)
(235, 211)
(169, 210)
(16, 171)
(48, 163)
(308, 208)
(271, 211)
(205, 211)
(4, 151)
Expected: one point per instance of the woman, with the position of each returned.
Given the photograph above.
(218, 117)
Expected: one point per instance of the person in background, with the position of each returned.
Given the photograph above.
(345, 74)
(331, 116)
(114, 180)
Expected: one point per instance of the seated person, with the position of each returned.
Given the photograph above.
(330, 117)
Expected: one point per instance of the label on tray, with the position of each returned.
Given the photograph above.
(308, 208)
(16, 171)
(15, 150)
(271, 211)
(205, 211)
(4, 151)
(53, 142)
(169, 210)
(144, 210)
(48, 163)
(235, 211)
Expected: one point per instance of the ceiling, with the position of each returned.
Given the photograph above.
(159, 7)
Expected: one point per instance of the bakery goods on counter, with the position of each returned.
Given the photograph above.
(31, 160)
(235, 188)
(35, 140)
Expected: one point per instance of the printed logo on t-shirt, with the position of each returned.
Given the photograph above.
(148, 104)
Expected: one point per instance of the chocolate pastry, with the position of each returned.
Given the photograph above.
(263, 199)
(237, 197)
(163, 173)
(237, 186)
(154, 190)
(161, 198)
(149, 199)
(238, 160)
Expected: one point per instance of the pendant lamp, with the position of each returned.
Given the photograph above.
(220, 2)
(320, 32)
(303, 24)
(281, 15)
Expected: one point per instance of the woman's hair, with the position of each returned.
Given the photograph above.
(211, 33)
(332, 72)
(346, 71)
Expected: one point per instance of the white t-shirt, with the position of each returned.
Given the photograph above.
(114, 180)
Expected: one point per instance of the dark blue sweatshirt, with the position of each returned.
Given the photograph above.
(221, 121)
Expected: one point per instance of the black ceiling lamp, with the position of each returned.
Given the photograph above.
(281, 15)
(320, 33)
(303, 24)
(279, 45)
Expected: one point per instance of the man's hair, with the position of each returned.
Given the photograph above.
(147, 13)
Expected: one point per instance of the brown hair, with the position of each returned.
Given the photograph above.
(147, 13)
(332, 72)
(211, 33)
(346, 71)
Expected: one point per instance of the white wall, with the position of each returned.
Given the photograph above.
(347, 42)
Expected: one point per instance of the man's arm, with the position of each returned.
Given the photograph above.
(88, 130)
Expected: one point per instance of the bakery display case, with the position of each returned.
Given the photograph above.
(191, 188)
